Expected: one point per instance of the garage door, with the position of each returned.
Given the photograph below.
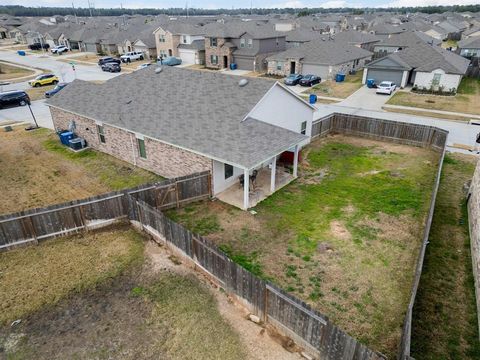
(244, 63)
(385, 75)
(187, 56)
(319, 70)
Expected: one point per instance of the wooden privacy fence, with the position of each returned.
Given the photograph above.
(403, 133)
(62, 219)
(285, 312)
(386, 130)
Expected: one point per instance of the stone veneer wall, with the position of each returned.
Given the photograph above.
(473, 207)
(218, 50)
(163, 159)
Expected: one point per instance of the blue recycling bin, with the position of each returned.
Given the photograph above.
(312, 99)
(340, 77)
(370, 83)
(233, 66)
(65, 137)
(21, 52)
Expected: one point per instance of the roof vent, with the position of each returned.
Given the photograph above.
(243, 82)
(158, 70)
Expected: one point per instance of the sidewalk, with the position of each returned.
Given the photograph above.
(431, 112)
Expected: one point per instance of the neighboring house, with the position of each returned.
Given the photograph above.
(146, 44)
(169, 37)
(172, 123)
(300, 36)
(472, 32)
(423, 66)
(402, 41)
(469, 47)
(321, 57)
(244, 44)
(359, 39)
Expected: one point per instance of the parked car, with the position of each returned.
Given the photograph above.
(44, 79)
(310, 80)
(111, 67)
(293, 79)
(131, 56)
(38, 46)
(170, 61)
(14, 97)
(108, 59)
(55, 90)
(143, 66)
(60, 49)
(386, 87)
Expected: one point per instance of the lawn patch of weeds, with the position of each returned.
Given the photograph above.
(247, 261)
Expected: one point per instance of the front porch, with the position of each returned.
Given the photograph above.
(234, 195)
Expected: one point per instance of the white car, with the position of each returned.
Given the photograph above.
(132, 55)
(59, 49)
(386, 87)
(143, 66)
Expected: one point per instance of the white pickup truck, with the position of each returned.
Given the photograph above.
(131, 56)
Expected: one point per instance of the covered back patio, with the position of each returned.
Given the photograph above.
(251, 186)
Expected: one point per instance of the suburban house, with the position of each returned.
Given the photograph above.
(472, 32)
(321, 57)
(469, 47)
(402, 41)
(163, 119)
(359, 39)
(180, 40)
(300, 36)
(422, 66)
(245, 44)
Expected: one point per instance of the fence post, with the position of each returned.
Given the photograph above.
(82, 216)
(176, 194)
(265, 310)
(32, 229)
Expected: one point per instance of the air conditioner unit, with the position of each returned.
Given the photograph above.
(77, 144)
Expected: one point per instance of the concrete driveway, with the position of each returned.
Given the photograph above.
(22, 114)
(365, 98)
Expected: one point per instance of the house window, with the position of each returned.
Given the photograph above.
(303, 129)
(249, 43)
(279, 65)
(213, 42)
(436, 79)
(228, 170)
(141, 148)
(184, 39)
(101, 133)
(242, 43)
(161, 38)
(214, 59)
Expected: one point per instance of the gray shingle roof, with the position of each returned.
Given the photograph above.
(323, 52)
(195, 45)
(196, 110)
(470, 43)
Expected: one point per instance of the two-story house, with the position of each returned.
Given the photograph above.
(181, 40)
(245, 44)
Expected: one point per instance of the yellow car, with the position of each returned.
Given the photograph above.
(44, 79)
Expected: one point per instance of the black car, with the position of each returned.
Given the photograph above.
(293, 79)
(38, 46)
(108, 59)
(14, 98)
(111, 67)
(310, 80)
(56, 89)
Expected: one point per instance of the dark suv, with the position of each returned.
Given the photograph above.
(38, 46)
(14, 98)
(111, 67)
(108, 59)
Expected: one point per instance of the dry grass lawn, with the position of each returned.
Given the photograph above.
(38, 93)
(38, 171)
(10, 72)
(340, 90)
(344, 236)
(466, 100)
(425, 113)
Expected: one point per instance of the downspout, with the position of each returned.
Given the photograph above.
(133, 150)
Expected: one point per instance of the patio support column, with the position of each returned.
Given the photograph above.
(246, 190)
(295, 161)
(273, 174)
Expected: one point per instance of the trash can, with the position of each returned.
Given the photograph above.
(233, 66)
(21, 52)
(312, 99)
(340, 77)
(65, 137)
(370, 83)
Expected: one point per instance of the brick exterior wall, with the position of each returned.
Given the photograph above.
(218, 50)
(163, 159)
(171, 42)
(272, 68)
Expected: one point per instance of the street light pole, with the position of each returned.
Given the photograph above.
(31, 112)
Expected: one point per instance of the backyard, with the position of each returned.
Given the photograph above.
(340, 90)
(38, 171)
(466, 100)
(107, 294)
(344, 236)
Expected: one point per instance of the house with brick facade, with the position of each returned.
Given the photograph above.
(246, 44)
(177, 121)
(324, 57)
